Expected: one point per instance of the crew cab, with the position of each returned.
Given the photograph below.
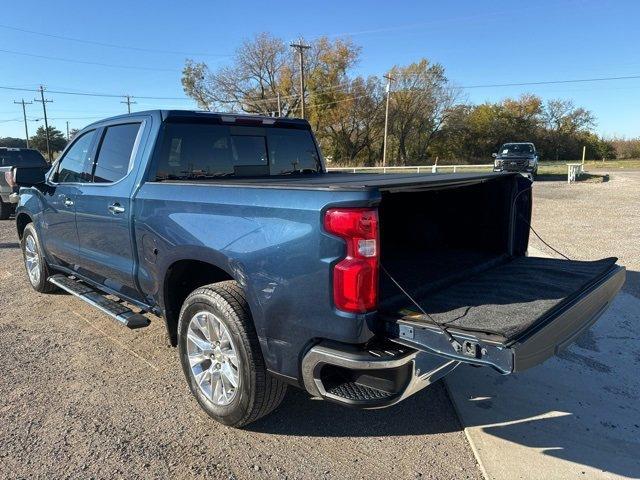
(516, 157)
(269, 271)
(11, 158)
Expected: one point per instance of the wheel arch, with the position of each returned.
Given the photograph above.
(180, 279)
(22, 220)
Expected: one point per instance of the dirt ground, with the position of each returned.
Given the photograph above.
(82, 397)
(586, 221)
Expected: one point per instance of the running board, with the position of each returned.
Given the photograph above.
(115, 310)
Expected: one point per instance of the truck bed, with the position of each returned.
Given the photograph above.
(508, 299)
(351, 181)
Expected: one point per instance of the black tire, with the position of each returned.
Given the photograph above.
(258, 392)
(41, 284)
(5, 210)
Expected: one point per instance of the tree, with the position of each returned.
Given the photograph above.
(13, 142)
(563, 121)
(57, 141)
(421, 99)
(265, 67)
(351, 127)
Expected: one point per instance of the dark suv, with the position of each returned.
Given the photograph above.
(516, 157)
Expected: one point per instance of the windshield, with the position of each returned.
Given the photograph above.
(21, 158)
(516, 149)
(192, 151)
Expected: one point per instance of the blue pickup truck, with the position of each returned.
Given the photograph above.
(269, 271)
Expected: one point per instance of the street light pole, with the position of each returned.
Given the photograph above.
(386, 122)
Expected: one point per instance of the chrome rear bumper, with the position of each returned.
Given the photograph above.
(375, 377)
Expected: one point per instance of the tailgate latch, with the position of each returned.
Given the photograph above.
(471, 349)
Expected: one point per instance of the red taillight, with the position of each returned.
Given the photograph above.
(8, 176)
(355, 278)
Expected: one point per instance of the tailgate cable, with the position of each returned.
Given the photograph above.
(513, 206)
(454, 343)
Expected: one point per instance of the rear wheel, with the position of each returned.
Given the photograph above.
(34, 262)
(5, 210)
(221, 356)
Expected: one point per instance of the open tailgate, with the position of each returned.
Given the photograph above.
(552, 331)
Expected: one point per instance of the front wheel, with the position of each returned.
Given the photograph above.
(221, 356)
(34, 262)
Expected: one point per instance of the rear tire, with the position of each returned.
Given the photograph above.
(5, 210)
(215, 326)
(37, 269)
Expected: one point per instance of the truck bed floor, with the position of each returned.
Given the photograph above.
(507, 299)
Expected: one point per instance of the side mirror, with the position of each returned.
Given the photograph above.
(494, 155)
(29, 176)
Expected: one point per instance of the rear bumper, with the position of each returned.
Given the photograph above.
(370, 378)
(527, 169)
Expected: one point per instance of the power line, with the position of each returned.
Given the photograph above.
(84, 62)
(552, 82)
(112, 45)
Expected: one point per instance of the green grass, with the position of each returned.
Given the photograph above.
(560, 167)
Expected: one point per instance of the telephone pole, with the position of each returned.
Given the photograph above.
(279, 107)
(46, 123)
(128, 101)
(24, 115)
(386, 121)
(67, 130)
(301, 47)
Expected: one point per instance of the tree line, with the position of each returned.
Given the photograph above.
(429, 117)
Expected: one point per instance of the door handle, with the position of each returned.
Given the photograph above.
(116, 208)
(68, 202)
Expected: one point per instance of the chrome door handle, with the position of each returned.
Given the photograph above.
(68, 202)
(116, 208)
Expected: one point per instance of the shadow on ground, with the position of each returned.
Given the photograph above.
(562, 177)
(427, 412)
(6, 245)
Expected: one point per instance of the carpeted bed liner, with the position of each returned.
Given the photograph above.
(508, 299)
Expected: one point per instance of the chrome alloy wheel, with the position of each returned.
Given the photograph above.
(32, 260)
(213, 358)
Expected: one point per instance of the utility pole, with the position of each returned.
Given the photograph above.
(128, 102)
(46, 123)
(279, 107)
(301, 47)
(24, 115)
(386, 121)
(67, 130)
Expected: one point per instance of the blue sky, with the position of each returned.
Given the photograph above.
(478, 42)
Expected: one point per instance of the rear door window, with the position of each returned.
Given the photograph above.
(192, 151)
(75, 164)
(114, 154)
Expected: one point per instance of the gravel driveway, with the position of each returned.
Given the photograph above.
(84, 397)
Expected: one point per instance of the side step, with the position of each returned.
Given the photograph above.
(115, 310)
